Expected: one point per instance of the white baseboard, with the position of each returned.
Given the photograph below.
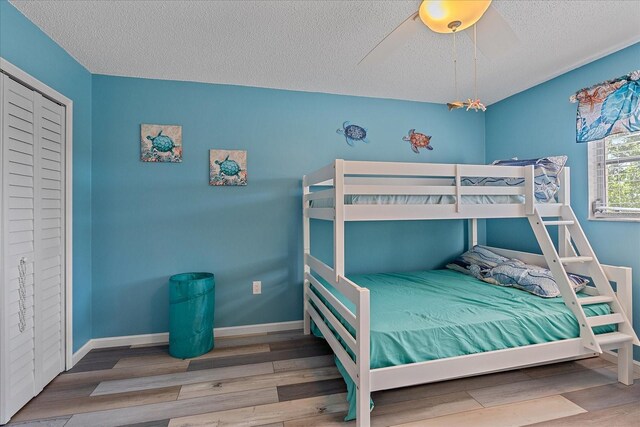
(82, 351)
(231, 331)
(612, 357)
(160, 338)
(163, 337)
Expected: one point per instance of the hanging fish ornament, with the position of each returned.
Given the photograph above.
(471, 104)
(475, 104)
(454, 105)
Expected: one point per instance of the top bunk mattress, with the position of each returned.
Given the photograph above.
(417, 200)
(428, 315)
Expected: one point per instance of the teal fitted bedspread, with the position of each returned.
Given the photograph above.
(430, 315)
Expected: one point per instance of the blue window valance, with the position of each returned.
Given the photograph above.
(608, 108)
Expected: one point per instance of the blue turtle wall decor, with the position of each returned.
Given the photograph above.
(353, 133)
(161, 143)
(227, 167)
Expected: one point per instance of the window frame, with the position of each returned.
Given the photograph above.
(596, 167)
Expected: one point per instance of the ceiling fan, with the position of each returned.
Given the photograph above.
(495, 36)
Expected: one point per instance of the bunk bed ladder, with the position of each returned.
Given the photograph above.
(582, 253)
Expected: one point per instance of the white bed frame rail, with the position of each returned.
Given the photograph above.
(358, 345)
(342, 178)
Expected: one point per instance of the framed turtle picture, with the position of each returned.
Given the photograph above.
(227, 167)
(161, 143)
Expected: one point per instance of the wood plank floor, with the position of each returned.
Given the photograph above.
(288, 379)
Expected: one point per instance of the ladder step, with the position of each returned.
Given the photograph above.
(562, 222)
(571, 259)
(608, 319)
(613, 338)
(595, 300)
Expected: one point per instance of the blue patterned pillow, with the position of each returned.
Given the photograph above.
(546, 170)
(476, 262)
(531, 278)
(490, 267)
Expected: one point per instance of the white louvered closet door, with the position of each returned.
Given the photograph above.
(49, 238)
(18, 346)
(32, 251)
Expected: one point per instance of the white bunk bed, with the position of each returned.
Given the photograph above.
(327, 188)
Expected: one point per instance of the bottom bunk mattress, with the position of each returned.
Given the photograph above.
(428, 315)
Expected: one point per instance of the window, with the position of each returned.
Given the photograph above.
(614, 177)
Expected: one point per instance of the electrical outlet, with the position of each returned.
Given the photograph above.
(257, 287)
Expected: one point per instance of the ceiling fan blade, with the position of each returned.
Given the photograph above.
(396, 38)
(495, 36)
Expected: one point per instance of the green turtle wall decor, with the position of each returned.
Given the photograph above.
(227, 167)
(161, 143)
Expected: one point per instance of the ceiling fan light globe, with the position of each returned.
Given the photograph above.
(435, 9)
(438, 14)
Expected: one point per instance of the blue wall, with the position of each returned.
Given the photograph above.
(27, 47)
(153, 220)
(541, 122)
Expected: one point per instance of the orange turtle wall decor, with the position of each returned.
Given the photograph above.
(418, 140)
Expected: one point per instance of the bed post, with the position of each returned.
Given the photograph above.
(458, 187)
(625, 352)
(564, 196)
(306, 238)
(529, 184)
(338, 219)
(363, 382)
(472, 230)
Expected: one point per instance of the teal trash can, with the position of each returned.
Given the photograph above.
(191, 307)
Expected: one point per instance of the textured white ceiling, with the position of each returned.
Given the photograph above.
(316, 45)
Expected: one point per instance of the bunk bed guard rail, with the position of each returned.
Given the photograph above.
(330, 184)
